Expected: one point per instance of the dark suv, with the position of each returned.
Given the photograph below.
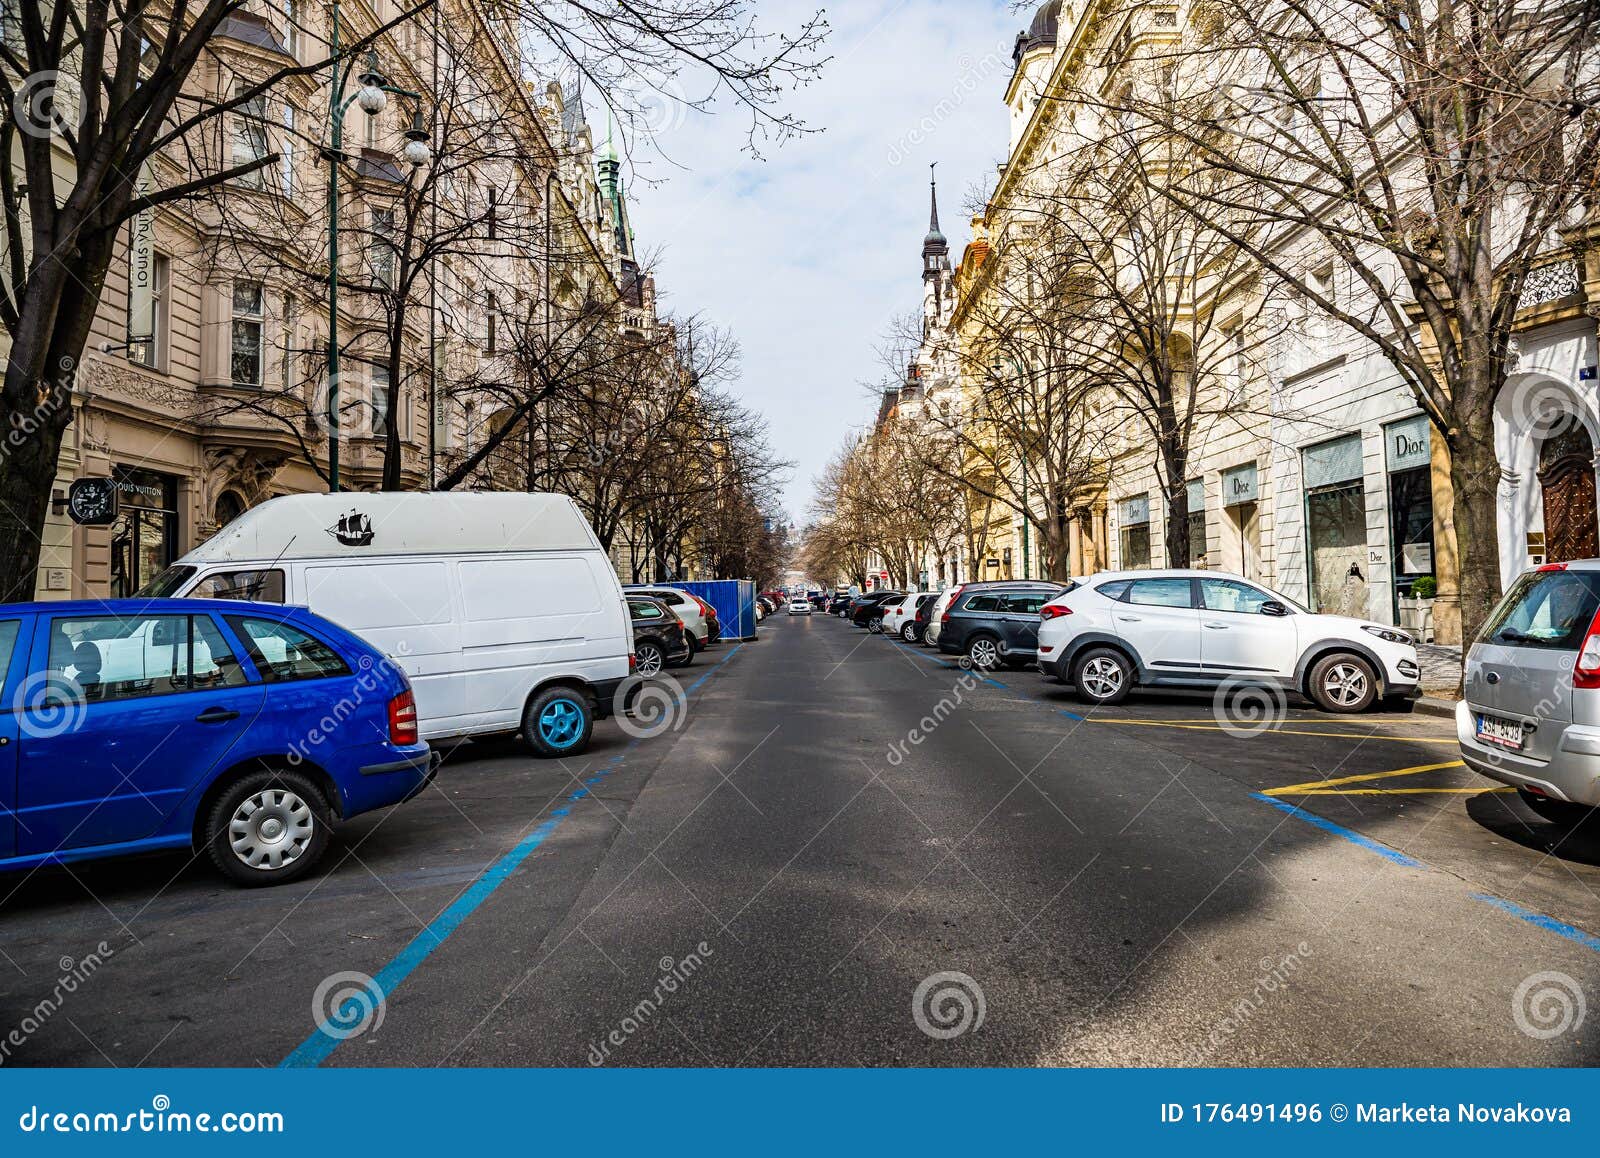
(997, 624)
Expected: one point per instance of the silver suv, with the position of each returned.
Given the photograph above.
(1531, 717)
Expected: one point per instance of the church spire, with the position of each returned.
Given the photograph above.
(933, 185)
(935, 248)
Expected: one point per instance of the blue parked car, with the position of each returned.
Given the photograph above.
(241, 729)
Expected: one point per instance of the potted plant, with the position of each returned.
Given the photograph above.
(1416, 608)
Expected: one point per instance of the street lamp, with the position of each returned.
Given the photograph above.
(372, 97)
(1027, 518)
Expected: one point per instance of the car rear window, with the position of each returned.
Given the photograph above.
(1549, 610)
(1162, 593)
(1117, 589)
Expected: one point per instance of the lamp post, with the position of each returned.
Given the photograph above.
(373, 97)
(1027, 517)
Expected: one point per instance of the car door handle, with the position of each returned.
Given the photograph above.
(1130, 619)
(1217, 626)
(216, 716)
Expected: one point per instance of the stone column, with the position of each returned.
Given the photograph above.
(1446, 557)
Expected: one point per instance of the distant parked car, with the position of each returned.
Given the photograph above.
(240, 730)
(996, 624)
(923, 619)
(900, 619)
(936, 613)
(867, 610)
(660, 640)
(1531, 716)
(1205, 628)
(688, 608)
(800, 606)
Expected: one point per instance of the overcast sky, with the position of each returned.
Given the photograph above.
(809, 254)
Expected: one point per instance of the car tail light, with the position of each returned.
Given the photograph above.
(1553, 567)
(1053, 611)
(403, 719)
(633, 664)
(1586, 671)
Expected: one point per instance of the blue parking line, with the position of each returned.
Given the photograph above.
(317, 1048)
(1539, 920)
(1311, 818)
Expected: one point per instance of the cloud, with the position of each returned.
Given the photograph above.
(808, 254)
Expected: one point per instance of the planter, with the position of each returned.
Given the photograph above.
(1416, 617)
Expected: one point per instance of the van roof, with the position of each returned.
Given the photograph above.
(359, 524)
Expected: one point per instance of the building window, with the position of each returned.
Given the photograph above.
(1336, 527)
(247, 322)
(294, 34)
(153, 354)
(381, 392)
(492, 336)
(1197, 523)
(144, 538)
(286, 154)
(291, 325)
(1134, 533)
(250, 135)
(383, 251)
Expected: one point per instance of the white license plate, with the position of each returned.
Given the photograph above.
(1505, 733)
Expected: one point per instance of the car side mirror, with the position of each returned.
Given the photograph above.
(1275, 609)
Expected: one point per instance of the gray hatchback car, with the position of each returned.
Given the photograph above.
(1531, 716)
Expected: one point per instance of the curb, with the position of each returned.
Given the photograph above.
(1434, 706)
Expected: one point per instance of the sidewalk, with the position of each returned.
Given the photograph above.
(1441, 676)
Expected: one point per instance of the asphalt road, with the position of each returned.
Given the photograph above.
(828, 824)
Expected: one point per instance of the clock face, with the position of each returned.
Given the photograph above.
(92, 501)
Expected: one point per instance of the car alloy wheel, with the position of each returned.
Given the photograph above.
(271, 829)
(875, 625)
(1101, 678)
(984, 653)
(650, 660)
(1345, 684)
(908, 632)
(561, 723)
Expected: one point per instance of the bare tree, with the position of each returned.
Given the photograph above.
(108, 95)
(1435, 152)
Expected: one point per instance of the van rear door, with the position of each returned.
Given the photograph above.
(407, 610)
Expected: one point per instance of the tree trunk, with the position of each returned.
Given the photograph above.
(1175, 461)
(27, 474)
(1475, 475)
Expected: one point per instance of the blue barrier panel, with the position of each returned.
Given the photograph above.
(735, 601)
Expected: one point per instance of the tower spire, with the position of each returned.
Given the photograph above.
(933, 184)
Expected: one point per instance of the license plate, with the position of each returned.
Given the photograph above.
(1504, 733)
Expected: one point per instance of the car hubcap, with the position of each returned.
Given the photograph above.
(984, 654)
(1346, 684)
(271, 829)
(649, 661)
(1101, 678)
(561, 724)
(908, 633)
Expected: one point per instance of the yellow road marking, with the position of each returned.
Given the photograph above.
(1405, 792)
(1281, 732)
(1316, 785)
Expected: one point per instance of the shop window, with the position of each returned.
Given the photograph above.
(1197, 523)
(248, 306)
(144, 537)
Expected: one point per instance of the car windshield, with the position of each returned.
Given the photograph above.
(1546, 609)
(167, 583)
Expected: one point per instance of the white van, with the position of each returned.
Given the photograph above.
(502, 609)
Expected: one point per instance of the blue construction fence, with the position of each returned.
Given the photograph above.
(735, 601)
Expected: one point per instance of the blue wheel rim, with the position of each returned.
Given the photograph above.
(561, 723)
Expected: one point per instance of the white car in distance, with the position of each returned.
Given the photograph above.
(1207, 629)
(799, 606)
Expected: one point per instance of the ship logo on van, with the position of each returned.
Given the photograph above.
(354, 530)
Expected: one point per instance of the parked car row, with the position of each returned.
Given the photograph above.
(1115, 632)
(295, 671)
